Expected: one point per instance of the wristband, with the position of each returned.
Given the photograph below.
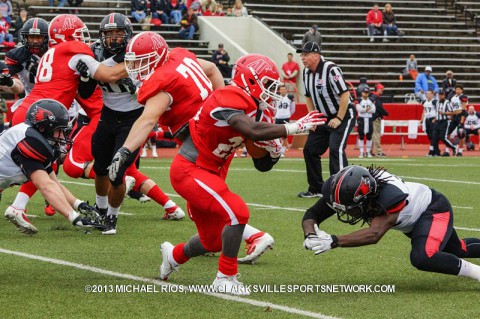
(334, 243)
(339, 118)
(306, 236)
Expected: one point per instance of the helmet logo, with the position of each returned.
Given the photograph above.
(68, 24)
(156, 43)
(41, 114)
(363, 189)
(259, 66)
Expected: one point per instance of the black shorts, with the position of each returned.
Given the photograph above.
(111, 133)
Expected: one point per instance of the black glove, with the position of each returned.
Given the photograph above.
(6, 80)
(128, 84)
(117, 162)
(32, 65)
(82, 68)
(119, 57)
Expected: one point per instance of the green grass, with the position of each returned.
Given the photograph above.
(39, 289)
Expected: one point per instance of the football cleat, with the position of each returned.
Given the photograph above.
(144, 153)
(144, 199)
(174, 213)
(110, 225)
(154, 154)
(166, 268)
(19, 219)
(308, 194)
(256, 245)
(230, 285)
(48, 209)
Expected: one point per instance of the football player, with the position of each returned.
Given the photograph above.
(120, 111)
(471, 125)
(198, 173)
(428, 118)
(365, 109)
(385, 202)
(174, 85)
(58, 79)
(459, 104)
(27, 152)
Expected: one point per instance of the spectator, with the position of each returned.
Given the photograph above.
(61, 3)
(375, 22)
(428, 119)
(189, 25)
(312, 35)
(220, 58)
(18, 24)
(229, 12)
(290, 71)
(284, 109)
(159, 10)
(219, 12)
(389, 20)
(411, 68)
(196, 6)
(380, 112)
(175, 8)
(239, 9)
(139, 9)
(424, 82)
(472, 126)
(6, 8)
(4, 35)
(75, 3)
(448, 84)
(209, 4)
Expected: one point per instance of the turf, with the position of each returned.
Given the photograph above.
(40, 289)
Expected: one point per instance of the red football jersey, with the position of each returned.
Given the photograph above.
(183, 79)
(56, 78)
(93, 105)
(214, 139)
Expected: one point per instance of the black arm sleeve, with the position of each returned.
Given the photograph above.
(265, 163)
(319, 212)
(86, 89)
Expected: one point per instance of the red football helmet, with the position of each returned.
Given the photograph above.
(258, 75)
(67, 27)
(145, 52)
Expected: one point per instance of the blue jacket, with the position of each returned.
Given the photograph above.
(422, 83)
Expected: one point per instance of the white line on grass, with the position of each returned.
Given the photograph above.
(162, 283)
(464, 228)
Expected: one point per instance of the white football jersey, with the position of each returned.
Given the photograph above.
(366, 108)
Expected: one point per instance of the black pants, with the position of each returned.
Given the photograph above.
(318, 142)
(440, 133)
(111, 133)
(429, 127)
(365, 128)
(435, 243)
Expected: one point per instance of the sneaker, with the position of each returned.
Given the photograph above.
(48, 209)
(144, 199)
(385, 40)
(369, 154)
(230, 285)
(144, 153)
(308, 194)
(166, 268)
(19, 219)
(174, 213)
(445, 154)
(154, 154)
(360, 156)
(256, 245)
(102, 212)
(110, 225)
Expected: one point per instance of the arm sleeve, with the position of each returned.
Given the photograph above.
(89, 60)
(319, 212)
(86, 89)
(265, 163)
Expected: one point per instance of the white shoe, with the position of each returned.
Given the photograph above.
(144, 199)
(19, 219)
(129, 184)
(230, 285)
(144, 153)
(369, 154)
(154, 154)
(166, 268)
(177, 214)
(360, 156)
(256, 247)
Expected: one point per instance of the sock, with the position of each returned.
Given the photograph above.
(369, 146)
(28, 188)
(460, 150)
(158, 195)
(227, 266)
(21, 201)
(170, 206)
(249, 231)
(113, 210)
(72, 215)
(431, 148)
(178, 255)
(468, 269)
(101, 201)
(447, 150)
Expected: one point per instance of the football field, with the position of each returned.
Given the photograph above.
(65, 273)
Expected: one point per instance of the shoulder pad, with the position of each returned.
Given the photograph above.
(33, 133)
(17, 56)
(389, 197)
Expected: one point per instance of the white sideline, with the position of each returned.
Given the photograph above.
(163, 283)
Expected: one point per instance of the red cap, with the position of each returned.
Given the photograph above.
(379, 86)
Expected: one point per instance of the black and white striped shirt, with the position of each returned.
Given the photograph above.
(443, 106)
(324, 87)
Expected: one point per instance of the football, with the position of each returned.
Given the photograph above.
(255, 151)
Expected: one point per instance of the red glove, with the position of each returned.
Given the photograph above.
(160, 134)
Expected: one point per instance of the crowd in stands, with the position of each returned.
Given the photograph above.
(383, 23)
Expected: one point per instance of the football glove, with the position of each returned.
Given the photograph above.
(6, 80)
(319, 242)
(306, 123)
(82, 68)
(117, 162)
(274, 147)
(128, 84)
(32, 65)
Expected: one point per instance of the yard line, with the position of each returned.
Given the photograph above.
(440, 180)
(252, 302)
(470, 229)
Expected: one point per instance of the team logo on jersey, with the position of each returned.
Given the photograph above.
(41, 114)
(319, 83)
(336, 78)
(363, 189)
(259, 66)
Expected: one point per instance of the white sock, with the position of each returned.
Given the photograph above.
(221, 275)
(113, 210)
(467, 269)
(169, 204)
(249, 231)
(72, 215)
(369, 146)
(101, 201)
(21, 201)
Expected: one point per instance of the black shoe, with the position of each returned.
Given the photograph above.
(110, 225)
(308, 194)
(459, 155)
(381, 155)
(102, 212)
(445, 154)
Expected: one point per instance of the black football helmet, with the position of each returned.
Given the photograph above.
(351, 190)
(470, 146)
(115, 21)
(49, 116)
(35, 26)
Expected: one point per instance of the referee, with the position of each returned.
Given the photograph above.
(325, 91)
